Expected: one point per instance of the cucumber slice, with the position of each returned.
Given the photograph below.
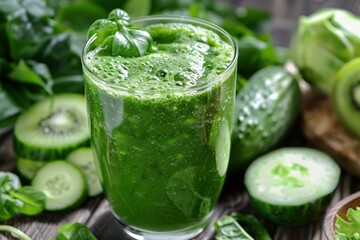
(27, 168)
(292, 186)
(346, 96)
(63, 184)
(83, 158)
(52, 128)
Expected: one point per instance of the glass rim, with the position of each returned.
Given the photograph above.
(171, 18)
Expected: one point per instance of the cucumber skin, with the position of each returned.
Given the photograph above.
(265, 123)
(292, 216)
(45, 154)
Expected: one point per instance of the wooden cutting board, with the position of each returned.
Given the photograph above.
(322, 128)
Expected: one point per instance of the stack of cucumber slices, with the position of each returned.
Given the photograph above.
(51, 141)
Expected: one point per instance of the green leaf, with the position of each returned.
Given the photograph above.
(27, 34)
(255, 54)
(33, 200)
(117, 37)
(350, 228)
(252, 226)
(4, 214)
(228, 228)
(12, 205)
(137, 8)
(70, 83)
(8, 109)
(79, 15)
(74, 231)
(253, 18)
(24, 74)
(9, 182)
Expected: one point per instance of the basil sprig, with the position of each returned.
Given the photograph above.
(16, 199)
(116, 36)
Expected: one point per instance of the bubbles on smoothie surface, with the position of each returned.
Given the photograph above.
(185, 56)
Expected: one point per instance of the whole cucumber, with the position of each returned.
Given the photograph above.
(265, 109)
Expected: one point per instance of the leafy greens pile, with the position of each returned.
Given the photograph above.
(42, 40)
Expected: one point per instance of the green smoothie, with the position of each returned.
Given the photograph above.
(160, 126)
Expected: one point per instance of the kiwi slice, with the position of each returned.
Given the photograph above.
(52, 128)
(346, 96)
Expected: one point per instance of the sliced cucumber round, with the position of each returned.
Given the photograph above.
(52, 128)
(84, 159)
(27, 168)
(63, 184)
(346, 96)
(292, 186)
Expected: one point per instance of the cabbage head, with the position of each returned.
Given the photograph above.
(323, 43)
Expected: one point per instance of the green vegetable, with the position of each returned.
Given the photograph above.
(265, 109)
(292, 186)
(117, 37)
(16, 199)
(84, 159)
(241, 227)
(348, 229)
(14, 231)
(252, 226)
(323, 43)
(255, 53)
(74, 231)
(346, 96)
(36, 52)
(228, 228)
(69, 231)
(63, 184)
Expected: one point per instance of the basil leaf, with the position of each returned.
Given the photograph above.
(9, 182)
(4, 213)
(12, 205)
(33, 200)
(117, 37)
(74, 231)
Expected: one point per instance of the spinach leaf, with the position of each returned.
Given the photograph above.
(253, 18)
(33, 200)
(15, 199)
(8, 110)
(25, 41)
(228, 228)
(9, 182)
(74, 231)
(254, 55)
(117, 37)
(23, 73)
(79, 15)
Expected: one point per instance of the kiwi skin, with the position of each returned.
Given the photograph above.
(346, 105)
(36, 135)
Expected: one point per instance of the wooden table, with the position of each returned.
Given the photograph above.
(96, 214)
